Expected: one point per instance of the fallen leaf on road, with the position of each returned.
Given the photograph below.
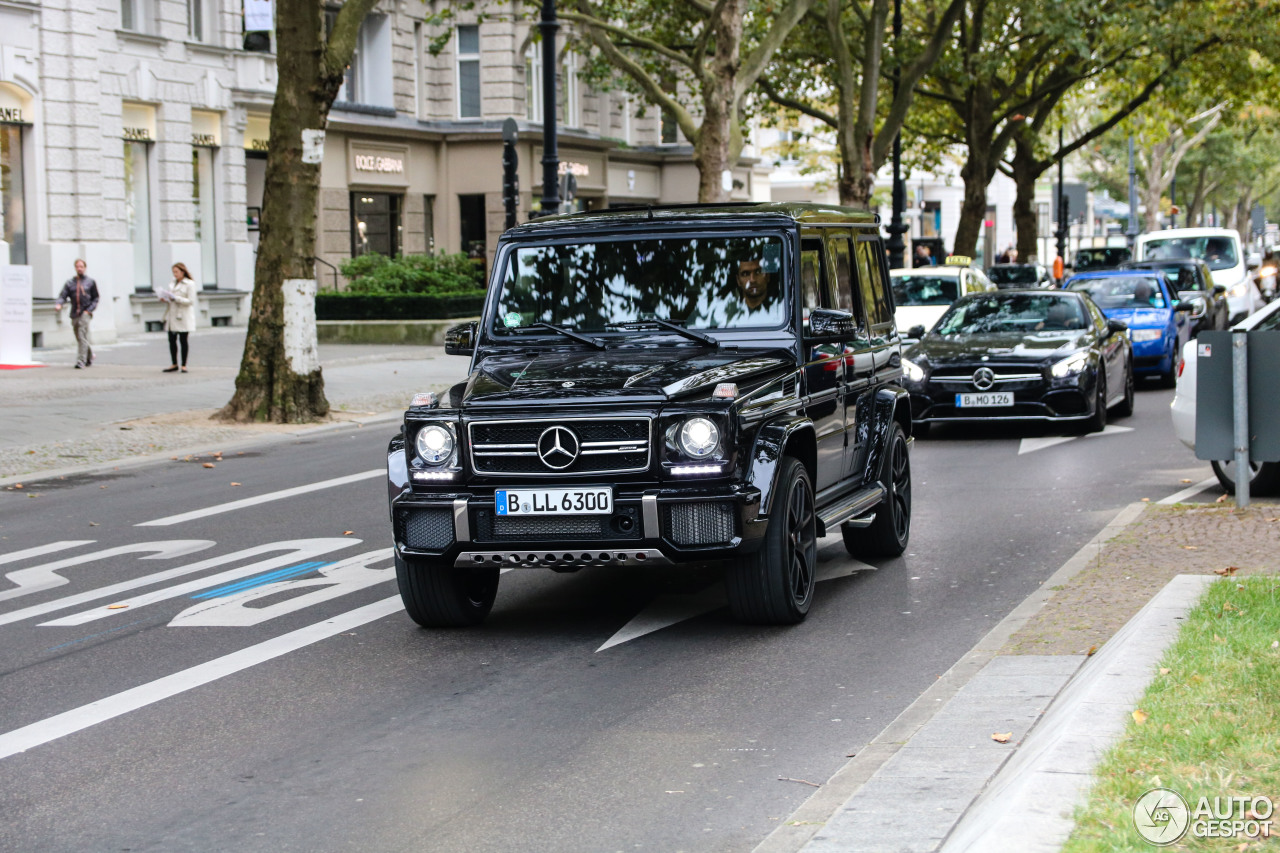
(1091, 651)
(235, 484)
(1140, 716)
(93, 524)
(1001, 737)
(31, 495)
(116, 606)
(1146, 500)
(1221, 499)
(348, 532)
(1227, 572)
(1273, 519)
(17, 485)
(1191, 547)
(208, 464)
(801, 781)
(1184, 481)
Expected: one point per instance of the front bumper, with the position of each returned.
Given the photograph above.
(649, 526)
(1068, 399)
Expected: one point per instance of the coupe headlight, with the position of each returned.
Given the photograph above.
(1140, 335)
(699, 437)
(1238, 289)
(435, 444)
(1070, 365)
(912, 370)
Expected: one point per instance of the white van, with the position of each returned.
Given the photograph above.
(1220, 249)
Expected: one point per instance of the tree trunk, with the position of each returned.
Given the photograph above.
(1026, 171)
(713, 150)
(280, 378)
(976, 174)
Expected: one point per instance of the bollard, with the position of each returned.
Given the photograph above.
(1240, 412)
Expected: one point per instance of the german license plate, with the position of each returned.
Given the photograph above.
(992, 398)
(591, 500)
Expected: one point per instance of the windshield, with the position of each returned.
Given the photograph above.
(1100, 258)
(1218, 252)
(708, 282)
(1012, 275)
(924, 290)
(1023, 312)
(1121, 291)
(1180, 276)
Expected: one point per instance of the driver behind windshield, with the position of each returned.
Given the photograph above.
(754, 285)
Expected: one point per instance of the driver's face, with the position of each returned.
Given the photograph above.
(753, 280)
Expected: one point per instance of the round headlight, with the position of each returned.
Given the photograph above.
(434, 444)
(699, 437)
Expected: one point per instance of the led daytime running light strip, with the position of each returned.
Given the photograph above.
(432, 475)
(696, 469)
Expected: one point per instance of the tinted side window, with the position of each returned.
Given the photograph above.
(841, 261)
(871, 284)
(815, 289)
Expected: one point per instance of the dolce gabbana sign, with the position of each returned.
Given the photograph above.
(377, 164)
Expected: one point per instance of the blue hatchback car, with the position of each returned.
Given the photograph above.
(1144, 299)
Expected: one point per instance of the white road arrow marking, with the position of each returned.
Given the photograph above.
(1031, 445)
(46, 576)
(52, 728)
(262, 499)
(295, 551)
(337, 580)
(667, 610)
(41, 550)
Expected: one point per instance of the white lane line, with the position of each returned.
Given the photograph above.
(1031, 445)
(1189, 492)
(46, 576)
(41, 550)
(52, 728)
(262, 499)
(300, 550)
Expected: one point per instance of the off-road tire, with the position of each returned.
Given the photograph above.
(774, 585)
(436, 595)
(888, 534)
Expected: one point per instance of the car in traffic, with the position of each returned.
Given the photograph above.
(1219, 248)
(1193, 282)
(922, 295)
(1031, 355)
(1264, 477)
(1019, 276)
(1148, 306)
(658, 387)
(1099, 258)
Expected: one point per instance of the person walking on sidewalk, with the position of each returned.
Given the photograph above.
(179, 315)
(82, 292)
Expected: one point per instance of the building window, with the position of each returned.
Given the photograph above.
(429, 221)
(533, 83)
(471, 210)
(419, 51)
(202, 199)
(12, 206)
(137, 15)
(375, 224)
(469, 71)
(670, 128)
(369, 76)
(569, 92)
(137, 211)
(201, 18)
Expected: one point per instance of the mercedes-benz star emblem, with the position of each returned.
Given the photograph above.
(558, 447)
(984, 378)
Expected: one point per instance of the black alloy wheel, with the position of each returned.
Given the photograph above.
(1098, 421)
(437, 595)
(1169, 379)
(1125, 407)
(889, 532)
(774, 585)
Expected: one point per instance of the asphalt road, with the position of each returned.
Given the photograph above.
(261, 691)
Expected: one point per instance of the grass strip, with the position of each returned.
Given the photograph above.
(1207, 726)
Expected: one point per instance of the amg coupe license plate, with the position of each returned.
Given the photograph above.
(592, 500)
(993, 398)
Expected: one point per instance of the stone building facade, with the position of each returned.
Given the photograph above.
(133, 134)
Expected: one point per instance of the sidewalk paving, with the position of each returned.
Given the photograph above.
(125, 407)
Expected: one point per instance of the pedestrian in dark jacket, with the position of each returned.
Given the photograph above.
(82, 292)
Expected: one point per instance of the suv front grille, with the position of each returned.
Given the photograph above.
(702, 523)
(603, 445)
(623, 524)
(425, 529)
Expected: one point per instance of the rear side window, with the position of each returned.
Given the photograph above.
(815, 287)
(843, 264)
(871, 285)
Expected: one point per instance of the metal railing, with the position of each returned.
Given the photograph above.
(332, 268)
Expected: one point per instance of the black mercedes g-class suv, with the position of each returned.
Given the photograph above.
(659, 386)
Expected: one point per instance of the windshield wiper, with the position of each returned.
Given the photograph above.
(568, 333)
(705, 340)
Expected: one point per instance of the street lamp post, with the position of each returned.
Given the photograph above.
(1062, 231)
(550, 156)
(1131, 233)
(895, 245)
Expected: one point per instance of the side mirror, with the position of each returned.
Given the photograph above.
(1219, 289)
(1186, 305)
(461, 340)
(916, 331)
(1120, 326)
(829, 322)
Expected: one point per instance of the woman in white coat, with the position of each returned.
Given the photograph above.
(179, 315)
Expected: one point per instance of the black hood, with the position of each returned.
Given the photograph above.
(1035, 348)
(626, 372)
